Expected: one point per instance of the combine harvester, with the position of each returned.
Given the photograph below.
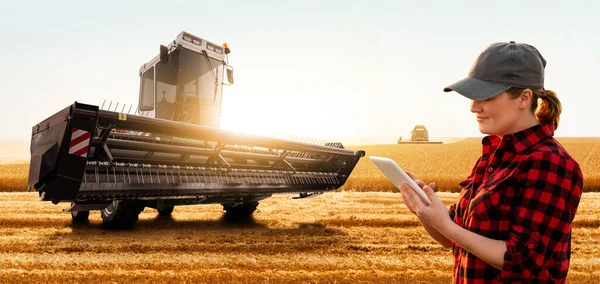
(172, 152)
(419, 135)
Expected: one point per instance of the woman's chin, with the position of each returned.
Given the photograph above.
(485, 130)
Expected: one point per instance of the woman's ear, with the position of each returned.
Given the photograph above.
(525, 98)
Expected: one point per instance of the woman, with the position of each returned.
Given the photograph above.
(513, 219)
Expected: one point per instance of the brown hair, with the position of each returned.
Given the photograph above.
(550, 108)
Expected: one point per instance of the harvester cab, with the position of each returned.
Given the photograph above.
(185, 81)
(172, 151)
(419, 133)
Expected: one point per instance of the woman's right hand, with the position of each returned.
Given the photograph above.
(421, 184)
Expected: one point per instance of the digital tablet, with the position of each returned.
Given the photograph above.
(397, 176)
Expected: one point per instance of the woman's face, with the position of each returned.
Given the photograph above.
(498, 115)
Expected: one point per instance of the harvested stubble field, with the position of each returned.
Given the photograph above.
(343, 237)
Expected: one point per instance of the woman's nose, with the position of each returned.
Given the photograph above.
(476, 106)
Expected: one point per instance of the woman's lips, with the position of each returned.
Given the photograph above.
(480, 119)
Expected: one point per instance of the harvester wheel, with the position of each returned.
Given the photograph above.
(80, 216)
(165, 211)
(121, 214)
(240, 211)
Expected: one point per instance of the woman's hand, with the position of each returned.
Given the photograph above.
(435, 215)
(420, 183)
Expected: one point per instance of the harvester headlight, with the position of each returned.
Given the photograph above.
(188, 38)
(214, 48)
(196, 42)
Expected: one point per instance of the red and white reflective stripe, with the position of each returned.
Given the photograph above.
(80, 141)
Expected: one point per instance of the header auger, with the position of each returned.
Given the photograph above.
(175, 153)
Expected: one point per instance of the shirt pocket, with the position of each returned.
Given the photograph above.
(463, 199)
(489, 202)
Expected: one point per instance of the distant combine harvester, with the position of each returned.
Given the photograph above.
(419, 135)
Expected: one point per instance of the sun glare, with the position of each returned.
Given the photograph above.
(266, 117)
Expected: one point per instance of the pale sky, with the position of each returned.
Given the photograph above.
(320, 69)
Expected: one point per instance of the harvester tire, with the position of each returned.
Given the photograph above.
(240, 211)
(165, 211)
(80, 217)
(121, 215)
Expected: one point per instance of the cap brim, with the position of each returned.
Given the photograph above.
(477, 89)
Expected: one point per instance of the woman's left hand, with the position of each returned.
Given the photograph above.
(435, 215)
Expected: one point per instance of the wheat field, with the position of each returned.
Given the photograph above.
(13, 176)
(445, 164)
(448, 164)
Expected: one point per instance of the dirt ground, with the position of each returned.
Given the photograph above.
(333, 238)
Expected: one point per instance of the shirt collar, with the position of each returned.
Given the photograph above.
(521, 140)
(489, 144)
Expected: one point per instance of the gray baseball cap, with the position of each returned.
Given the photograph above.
(499, 67)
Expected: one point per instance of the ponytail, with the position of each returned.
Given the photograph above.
(549, 109)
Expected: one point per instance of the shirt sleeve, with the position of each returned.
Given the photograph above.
(546, 198)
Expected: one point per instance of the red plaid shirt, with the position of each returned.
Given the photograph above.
(524, 189)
